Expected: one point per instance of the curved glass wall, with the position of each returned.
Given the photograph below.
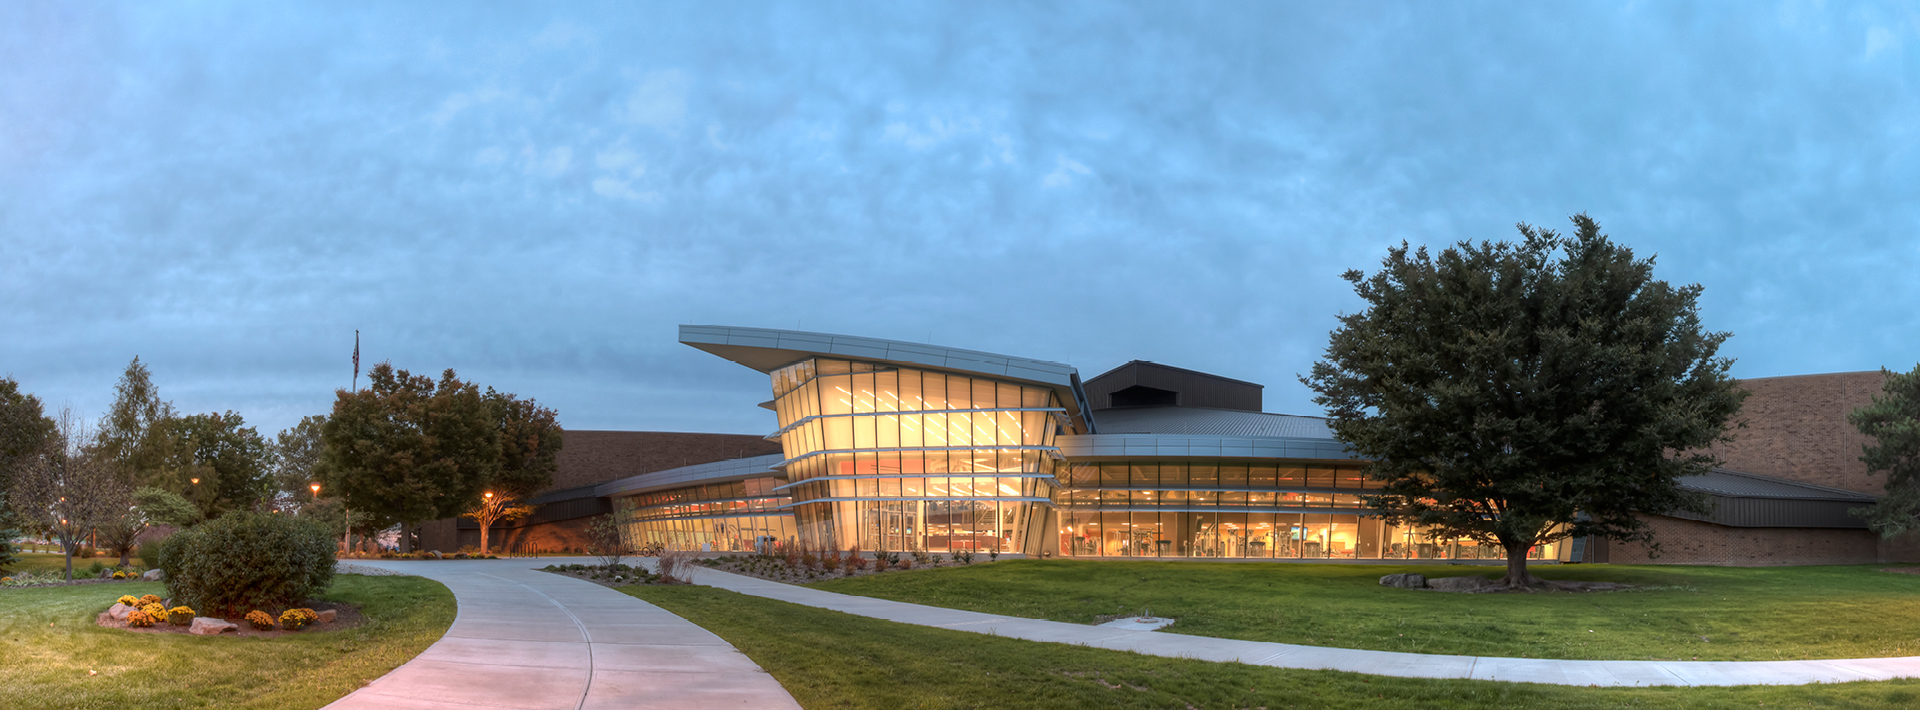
(891, 458)
(1240, 509)
(733, 516)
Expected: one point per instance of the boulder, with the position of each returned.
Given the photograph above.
(208, 626)
(106, 574)
(154, 575)
(1404, 580)
(1459, 584)
(327, 616)
(119, 612)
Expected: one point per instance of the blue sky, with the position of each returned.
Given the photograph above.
(537, 194)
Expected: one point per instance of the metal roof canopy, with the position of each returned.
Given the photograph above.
(767, 349)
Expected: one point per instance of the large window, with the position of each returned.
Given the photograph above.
(889, 458)
(1239, 509)
(731, 516)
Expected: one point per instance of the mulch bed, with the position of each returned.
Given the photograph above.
(346, 616)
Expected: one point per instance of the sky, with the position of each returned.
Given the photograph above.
(538, 194)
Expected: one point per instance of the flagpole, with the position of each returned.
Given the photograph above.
(345, 513)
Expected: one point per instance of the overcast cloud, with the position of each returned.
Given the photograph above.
(538, 195)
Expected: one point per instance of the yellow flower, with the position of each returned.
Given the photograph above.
(128, 599)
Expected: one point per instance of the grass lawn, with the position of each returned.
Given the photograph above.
(828, 659)
(48, 642)
(55, 562)
(1709, 613)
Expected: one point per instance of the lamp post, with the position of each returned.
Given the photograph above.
(487, 506)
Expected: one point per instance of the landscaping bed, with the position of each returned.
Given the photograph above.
(51, 643)
(804, 567)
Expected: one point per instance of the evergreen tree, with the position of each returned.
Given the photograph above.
(1893, 421)
(1519, 394)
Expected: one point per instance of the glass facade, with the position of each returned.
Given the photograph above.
(729, 516)
(1241, 508)
(892, 458)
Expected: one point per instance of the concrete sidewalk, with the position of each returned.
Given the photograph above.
(1284, 655)
(527, 639)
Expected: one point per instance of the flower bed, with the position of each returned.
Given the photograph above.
(800, 567)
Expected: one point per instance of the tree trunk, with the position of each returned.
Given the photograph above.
(66, 546)
(1517, 576)
(483, 538)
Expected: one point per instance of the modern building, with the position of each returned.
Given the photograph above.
(884, 445)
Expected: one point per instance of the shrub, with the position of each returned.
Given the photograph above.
(139, 619)
(297, 619)
(180, 616)
(149, 553)
(245, 560)
(260, 620)
(964, 557)
(904, 564)
(147, 599)
(127, 599)
(95, 569)
(85, 552)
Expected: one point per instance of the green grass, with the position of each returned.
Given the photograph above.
(38, 562)
(48, 642)
(1708, 613)
(828, 659)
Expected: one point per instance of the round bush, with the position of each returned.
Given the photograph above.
(245, 560)
(139, 619)
(180, 616)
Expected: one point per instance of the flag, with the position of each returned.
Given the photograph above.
(356, 359)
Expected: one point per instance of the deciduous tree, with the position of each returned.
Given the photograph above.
(1893, 421)
(294, 455)
(407, 448)
(1518, 394)
(69, 488)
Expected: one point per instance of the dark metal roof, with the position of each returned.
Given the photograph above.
(1211, 422)
(1740, 484)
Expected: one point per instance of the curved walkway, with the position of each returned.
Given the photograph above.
(527, 639)
(1286, 655)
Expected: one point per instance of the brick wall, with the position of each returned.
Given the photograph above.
(1796, 428)
(590, 457)
(1691, 542)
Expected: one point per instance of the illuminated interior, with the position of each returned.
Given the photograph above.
(888, 458)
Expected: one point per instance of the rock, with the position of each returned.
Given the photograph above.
(326, 616)
(106, 574)
(1405, 580)
(119, 612)
(434, 553)
(208, 626)
(1459, 584)
(154, 575)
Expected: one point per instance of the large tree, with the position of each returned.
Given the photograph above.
(24, 429)
(135, 436)
(294, 456)
(228, 458)
(1519, 394)
(530, 439)
(1893, 421)
(69, 488)
(407, 448)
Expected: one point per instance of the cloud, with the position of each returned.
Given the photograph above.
(658, 100)
(1064, 172)
(537, 195)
